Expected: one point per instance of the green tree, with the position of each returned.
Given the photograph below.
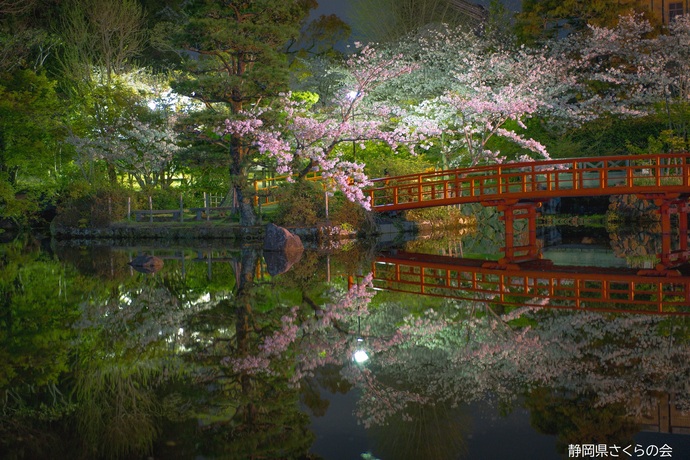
(543, 19)
(29, 132)
(25, 41)
(390, 20)
(100, 35)
(234, 56)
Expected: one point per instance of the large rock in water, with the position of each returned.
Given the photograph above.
(146, 263)
(282, 249)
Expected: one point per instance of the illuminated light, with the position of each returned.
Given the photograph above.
(361, 356)
(352, 95)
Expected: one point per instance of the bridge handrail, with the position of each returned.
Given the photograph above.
(568, 286)
(530, 180)
(534, 165)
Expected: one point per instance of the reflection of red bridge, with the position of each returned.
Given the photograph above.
(518, 189)
(536, 284)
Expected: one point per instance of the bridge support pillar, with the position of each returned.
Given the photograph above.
(513, 211)
(672, 253)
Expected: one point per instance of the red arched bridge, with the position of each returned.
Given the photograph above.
(535, 284)
(518, 189)
(661, 175)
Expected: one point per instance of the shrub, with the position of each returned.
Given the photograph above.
(303, 204)
(348, 215)
(82, 207)
(300, 204)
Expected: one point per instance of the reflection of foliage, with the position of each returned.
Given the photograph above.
(636, 243)
(150, 313)
(328, 377)
(574, 418)
(441, 218)
(180, 359)
(429, 431)
(36, 309)
(441, 240)
(37, 306)
(117, 407)
(100, 261)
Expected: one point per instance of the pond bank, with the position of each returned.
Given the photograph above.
(174, 231)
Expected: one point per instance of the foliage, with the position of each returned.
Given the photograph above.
(540, 20)
(382, 161)
(625, 70)
(303, 204)
(124, 127)
(300, 204)
(95, 35)
(88, 207)
(348, 215)
(234, 57)
(385, 21)
(142, 149)
(29, 125)
(468, 89)
(318, 38)
(301, 138)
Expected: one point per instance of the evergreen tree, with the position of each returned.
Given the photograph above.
(234, 57)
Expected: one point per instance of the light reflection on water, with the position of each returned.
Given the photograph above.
(209, 358)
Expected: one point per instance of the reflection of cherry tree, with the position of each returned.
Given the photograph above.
(151, 312)
(460, 354)
(613, 357)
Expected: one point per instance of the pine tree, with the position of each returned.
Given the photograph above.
(234, 57)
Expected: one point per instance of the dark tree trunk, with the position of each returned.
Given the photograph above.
(243, 322)
(240, 183)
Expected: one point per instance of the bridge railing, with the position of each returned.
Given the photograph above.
(605, 291)
(535, 180)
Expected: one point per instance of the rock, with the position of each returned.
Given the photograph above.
(280, 239)
(280, 262)
(282, 249)
(147, 263)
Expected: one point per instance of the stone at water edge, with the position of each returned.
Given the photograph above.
(147, 263)
(281, 240)
(282, 249)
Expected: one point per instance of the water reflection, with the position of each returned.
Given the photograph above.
(211, 357)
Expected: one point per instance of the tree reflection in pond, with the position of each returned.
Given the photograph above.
(181, 365)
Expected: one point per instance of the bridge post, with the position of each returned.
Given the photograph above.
(512, 210)
(670, 204)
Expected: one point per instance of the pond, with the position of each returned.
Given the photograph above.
(408, 349)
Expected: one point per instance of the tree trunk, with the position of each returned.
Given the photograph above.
(240, 183)
(112, 175)
(243, 320)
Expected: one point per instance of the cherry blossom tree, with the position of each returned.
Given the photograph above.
(143, 149)
(630, 70)
(303, 139)
(469, 89)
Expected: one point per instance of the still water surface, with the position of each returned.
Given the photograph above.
(340, 357)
